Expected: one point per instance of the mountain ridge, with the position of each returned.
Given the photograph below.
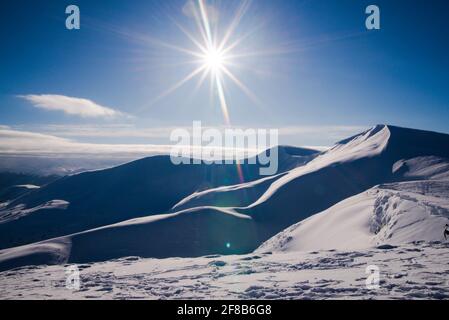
(207, 222)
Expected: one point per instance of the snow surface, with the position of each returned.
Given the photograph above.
(392, 213)
(143, 237)
(423, 168)
(19, 211)
(27, 186)
(411, 271)
(365, 145)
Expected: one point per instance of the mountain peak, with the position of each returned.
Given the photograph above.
(365, 134)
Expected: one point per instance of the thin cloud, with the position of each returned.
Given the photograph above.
(109, 130)
(320, 137)
(32, 143)
(15, 142)
(70, 105)
(128, 130)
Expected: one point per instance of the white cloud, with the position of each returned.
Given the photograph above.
(15, 142)
(61, 140)
(31, 143)
(128, 130)
(320, 137)
(114, 130)
(70, 105)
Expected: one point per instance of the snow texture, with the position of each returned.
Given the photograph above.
(411, 271)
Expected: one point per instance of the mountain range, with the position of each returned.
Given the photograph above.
(385, 186)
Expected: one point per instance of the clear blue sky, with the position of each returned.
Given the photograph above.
(322, 68)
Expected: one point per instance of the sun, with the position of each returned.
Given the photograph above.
(214, 60)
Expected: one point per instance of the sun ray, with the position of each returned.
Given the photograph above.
(235, 22)
(199, 22)
(206, 23)
(240, 171)
(211, 89)
(244, 88)
(201, 80)
(222, 98)
(240, 39)
(294, 47)
(177, 85)
(145, 39)
(191, 37)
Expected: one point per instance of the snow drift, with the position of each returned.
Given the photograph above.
(392, 213)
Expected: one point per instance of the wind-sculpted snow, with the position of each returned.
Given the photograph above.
(8, 213)
(187, 233)
(410, 271)
(351, 167)
(366, 145)
(244, 194)
(393, 213)
(240, 195)
(50, 252)
(423, 168)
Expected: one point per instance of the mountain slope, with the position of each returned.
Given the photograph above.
(350, 167)
(187, 233)
(145, 187)
(393, 213)
(244, 194)
(14, 185)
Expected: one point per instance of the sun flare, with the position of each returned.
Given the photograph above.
(213, 53)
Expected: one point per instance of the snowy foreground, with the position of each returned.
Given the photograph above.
(413, 271)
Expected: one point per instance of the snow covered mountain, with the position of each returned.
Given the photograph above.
(98, 198)
(385, 185)
(14, 185)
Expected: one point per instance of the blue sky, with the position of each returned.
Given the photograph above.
(319, 75)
